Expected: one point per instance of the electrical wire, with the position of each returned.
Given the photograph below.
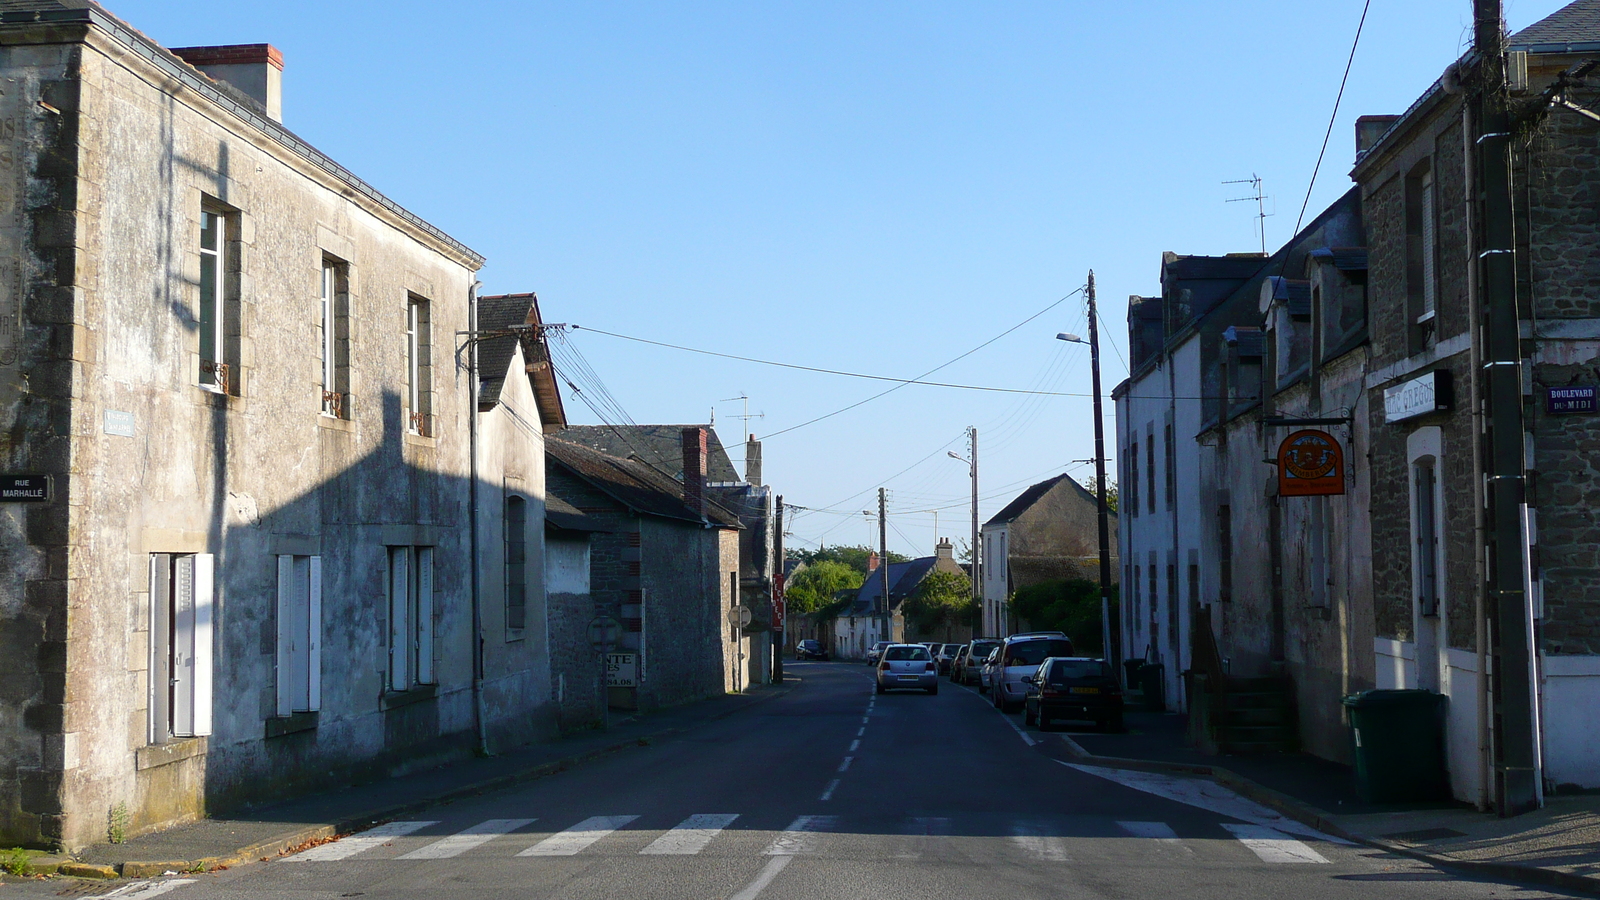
(1331, 118)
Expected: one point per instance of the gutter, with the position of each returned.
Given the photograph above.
(479, 730)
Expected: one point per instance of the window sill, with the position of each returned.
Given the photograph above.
(515, 636)
(176, 750)
(416, 694)
(418, 440)
(334, 423)
(278, 726)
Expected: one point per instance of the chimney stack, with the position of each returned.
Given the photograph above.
(944, 549)
(255, 69)
(872, 562)
(752, 461)
(1369, 129)
(694, 469)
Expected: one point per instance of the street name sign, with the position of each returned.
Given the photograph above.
(1572, 399)
(25, 488)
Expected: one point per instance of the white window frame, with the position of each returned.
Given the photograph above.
(419, 373)
(213, 302)
(299, 645)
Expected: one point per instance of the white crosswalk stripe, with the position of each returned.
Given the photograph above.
(1273, 846)
(1034, 840)
(579, 837)
(344, 848)
(800, 835)
(462, 841)
(689, 836)
(1160, 832)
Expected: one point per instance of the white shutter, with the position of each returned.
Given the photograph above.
(314, 637)
(204, 595)
(300, 632)
(425, 615)
(285, 634)
(183, 643)
(399, 618)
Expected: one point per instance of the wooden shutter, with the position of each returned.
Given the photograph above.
(285, 678)
(314, 637)
(204, 582)
(183, 668)
(160, 648)
(399, 617)
(425, 615)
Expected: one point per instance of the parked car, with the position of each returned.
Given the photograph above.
(946, 656)
(1073, 688)
(810, 649)
(985, 668)
(875, 652)
(1021, 655)
(907, 666)
(967, 668)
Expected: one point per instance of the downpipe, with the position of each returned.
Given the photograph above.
(479, 729)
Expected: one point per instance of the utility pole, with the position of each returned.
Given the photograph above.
(883, 564)
(780, 606)
(977, 590)
(1516, 713)
(1100, 481)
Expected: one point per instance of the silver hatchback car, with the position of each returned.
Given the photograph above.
(907, 666)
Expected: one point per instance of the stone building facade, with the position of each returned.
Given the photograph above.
(1417, 179)
(231, 361)
(1048, 532)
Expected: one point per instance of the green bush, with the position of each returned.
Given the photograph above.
(1071, 605)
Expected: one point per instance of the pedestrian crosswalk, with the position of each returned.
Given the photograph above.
(1033, 839)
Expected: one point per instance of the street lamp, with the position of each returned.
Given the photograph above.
(972, 463)
(1099, 471)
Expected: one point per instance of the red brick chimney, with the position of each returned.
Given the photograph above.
(694, 469)
(872, 562)
(255, 69)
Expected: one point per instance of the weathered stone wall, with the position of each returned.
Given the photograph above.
(575, 668)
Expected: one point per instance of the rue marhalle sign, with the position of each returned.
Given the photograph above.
(1310, 464)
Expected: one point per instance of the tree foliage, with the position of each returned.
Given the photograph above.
(854, 557)
(942, 600)
(1111, 491)
(818, 584)
(1071, 605)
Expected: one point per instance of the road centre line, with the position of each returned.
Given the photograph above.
(827, 794)
(861, 731)
(855, 745)
(845, 766)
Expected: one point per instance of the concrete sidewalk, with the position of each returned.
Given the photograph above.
(1557, 846)
(253, 834)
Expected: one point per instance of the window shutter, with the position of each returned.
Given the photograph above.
(314, 637)
(160, 635)
(399, 618)
(183, 667)
(204, 595)
(425, 615)
(1429, 246)
(285, 635)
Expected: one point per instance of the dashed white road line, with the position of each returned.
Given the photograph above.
(462, 841)
(345, 848)
(799, 835)
(578, 837)
(827, 793)
(860, 731)
(768, 872)
(1273, 846)
(855, 745)
(845, 766)
(690, 836)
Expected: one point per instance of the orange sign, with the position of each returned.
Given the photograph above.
(1310, 464)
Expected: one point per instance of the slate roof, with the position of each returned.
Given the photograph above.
(28, 12)
(1349, 259)
(634, 485)
(658, 446)
(494, 354)
(559, 515)
(903, 579)
(1028, 498)
(1295, 293)
(1572, 28)
(1248, 340)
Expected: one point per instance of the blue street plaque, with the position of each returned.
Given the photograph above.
(1573, 399)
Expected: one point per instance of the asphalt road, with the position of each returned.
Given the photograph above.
(833, 792)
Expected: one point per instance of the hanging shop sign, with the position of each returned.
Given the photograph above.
(1310, 464)
(1417, 397)
(1572, 399)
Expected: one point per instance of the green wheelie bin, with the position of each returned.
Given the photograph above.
(1398, 742)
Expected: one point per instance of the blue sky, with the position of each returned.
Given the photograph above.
(871, 187)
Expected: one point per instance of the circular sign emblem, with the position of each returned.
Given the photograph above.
(1310, 463)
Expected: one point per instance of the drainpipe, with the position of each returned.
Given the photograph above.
(1479, 502)
(478, 729)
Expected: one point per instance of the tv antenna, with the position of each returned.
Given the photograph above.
(1261, 208)
(748, 415)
